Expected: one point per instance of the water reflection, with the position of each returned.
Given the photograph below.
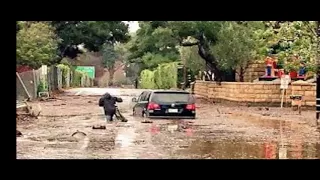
(286, 147)
(172, 127)
(240, 149)
(154, 129)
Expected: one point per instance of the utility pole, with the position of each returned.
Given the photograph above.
(318, 72)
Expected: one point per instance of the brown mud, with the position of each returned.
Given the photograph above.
(219, 132)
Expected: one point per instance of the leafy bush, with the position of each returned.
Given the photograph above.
(147, 79)
(65, 69)
(164, 77)
(42, 87)
(76, 79)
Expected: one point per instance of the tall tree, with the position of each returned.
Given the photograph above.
(237, 45)
(36, 44)
(193, 61)
(110, 57)
(92, 34)
(287, 39)
(165, 37)
(152, 45)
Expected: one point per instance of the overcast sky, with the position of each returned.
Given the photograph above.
(133, 26)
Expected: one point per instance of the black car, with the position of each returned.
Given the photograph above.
(165, 104)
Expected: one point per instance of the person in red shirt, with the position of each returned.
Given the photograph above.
(269, 64)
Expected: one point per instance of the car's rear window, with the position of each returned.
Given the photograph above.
(172, 97)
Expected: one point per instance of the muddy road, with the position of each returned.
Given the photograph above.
(218, 132)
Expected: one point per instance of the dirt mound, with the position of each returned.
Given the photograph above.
(24, 118)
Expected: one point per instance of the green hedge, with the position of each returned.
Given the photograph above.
(65, 74)
(164, 77)
(75, 75)
(76, 78)
(147, 79)
(42, 87)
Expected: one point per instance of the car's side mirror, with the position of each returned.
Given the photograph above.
(134, 99)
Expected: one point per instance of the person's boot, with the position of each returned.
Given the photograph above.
(124, 120)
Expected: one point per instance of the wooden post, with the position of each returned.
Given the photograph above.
(34, 84)
(285, 98)
(282, 96)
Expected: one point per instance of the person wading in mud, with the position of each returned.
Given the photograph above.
(108, 103)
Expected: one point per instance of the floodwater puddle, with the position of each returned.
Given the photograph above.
(173, 126)
(240, 149)
(266, 122)
(125, 137)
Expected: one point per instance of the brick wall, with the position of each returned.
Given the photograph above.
(254, 71)
(263, 93)
(307, 90)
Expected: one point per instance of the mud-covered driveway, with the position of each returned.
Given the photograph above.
(218, 132)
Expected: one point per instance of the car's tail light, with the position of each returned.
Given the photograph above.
(191, 107)
(153, 106)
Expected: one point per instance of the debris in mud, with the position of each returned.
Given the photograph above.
(267, 109)
(18, 133)
(146, 121)
(49, 99)
(62, 104)
(77, 133)
(24, 118)
(33, 111)
(99, 127)
(266, 114)
(183, 146)
(89, 101)
(139, 142)
(182, 126)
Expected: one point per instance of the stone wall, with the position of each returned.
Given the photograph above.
(254, 71)
(259, 93)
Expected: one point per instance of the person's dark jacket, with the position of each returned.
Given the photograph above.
(108, 103)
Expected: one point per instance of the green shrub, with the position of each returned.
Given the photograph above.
(76, 78)
(147, 79)
(164, 77)
(65, 69)
(42, 87)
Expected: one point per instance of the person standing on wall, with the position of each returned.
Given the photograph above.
(269, 66)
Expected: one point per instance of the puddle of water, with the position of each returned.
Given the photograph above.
(241, 149)
(263, 121)
(125, 137)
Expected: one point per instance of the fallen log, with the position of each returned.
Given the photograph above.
(99, 127)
